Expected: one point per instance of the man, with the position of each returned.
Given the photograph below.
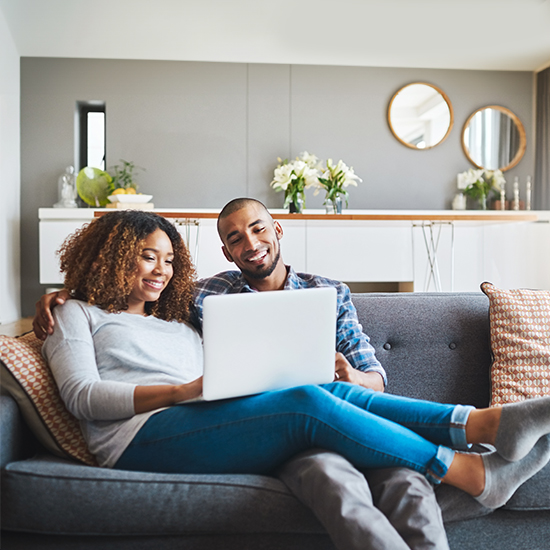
(406, 515)
(251, 239)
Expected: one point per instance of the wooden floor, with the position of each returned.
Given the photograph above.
(17, 328)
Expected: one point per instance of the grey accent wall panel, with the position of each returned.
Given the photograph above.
(209, 132)
(189, 136)
(185, 123)
(268, 127)
(341, 112)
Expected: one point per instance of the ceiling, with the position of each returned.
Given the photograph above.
(456, 34)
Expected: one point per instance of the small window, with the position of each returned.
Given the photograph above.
(90, 134)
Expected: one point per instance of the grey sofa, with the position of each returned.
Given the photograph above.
(434, 346)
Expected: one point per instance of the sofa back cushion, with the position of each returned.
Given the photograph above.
(433, 346)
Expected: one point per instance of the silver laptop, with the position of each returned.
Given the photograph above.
(256, 342)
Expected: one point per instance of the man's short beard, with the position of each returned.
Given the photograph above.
(267, 271)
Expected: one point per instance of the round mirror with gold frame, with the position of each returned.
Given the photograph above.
(494, 138)
(420, 115)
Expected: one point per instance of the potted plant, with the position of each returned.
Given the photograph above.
(294, 178)
(478, 184)
(123, 178)
(334, 180)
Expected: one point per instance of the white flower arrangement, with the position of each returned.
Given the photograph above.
(307, 171)
(467, 179)
(311, 160)
(295, 177)
(334, 181)
(477, 184)
(496, 179)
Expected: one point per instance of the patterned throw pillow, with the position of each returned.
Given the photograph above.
(27, 377)
(520, 342)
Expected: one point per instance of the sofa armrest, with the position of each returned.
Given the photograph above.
(14, 434)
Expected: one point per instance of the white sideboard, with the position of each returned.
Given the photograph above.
(510, 249)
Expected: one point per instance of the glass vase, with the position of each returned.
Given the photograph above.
(334, 206)
(296, 206)
(482, 202)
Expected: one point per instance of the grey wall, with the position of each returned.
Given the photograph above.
(208, 132)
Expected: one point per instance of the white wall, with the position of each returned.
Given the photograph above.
(10, 179)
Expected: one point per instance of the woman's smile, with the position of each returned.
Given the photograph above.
(155, 285)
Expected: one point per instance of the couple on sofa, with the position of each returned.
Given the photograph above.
(120, 374)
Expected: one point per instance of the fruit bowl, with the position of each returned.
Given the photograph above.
(130, 198)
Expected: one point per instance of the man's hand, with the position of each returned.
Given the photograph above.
(344, 372)
(43, 322)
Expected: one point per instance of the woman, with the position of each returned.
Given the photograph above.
(123, 353)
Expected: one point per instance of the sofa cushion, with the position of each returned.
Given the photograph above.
(520, 342)
(68, 498)
(433, 345)
(53, 495)
(28, 379)
(534, 494)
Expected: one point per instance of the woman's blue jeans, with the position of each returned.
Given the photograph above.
(258, 433)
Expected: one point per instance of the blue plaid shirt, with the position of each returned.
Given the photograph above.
(350, 339)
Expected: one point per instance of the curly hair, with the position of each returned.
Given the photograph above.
(100, 261)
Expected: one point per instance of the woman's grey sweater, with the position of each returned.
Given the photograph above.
(98, 358)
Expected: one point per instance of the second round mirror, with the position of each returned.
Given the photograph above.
(420, 115)
(494, 138)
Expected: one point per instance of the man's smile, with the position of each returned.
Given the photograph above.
(258, 257)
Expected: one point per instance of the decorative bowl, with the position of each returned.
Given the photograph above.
(130, 198)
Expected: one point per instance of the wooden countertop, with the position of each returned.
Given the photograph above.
(319, 215)
(386, 216)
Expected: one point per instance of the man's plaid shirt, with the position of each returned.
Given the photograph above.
(350, 339)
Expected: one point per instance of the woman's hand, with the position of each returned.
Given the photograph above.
(149, 398)
(344, 372)
(43, 322)
(190, 391)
